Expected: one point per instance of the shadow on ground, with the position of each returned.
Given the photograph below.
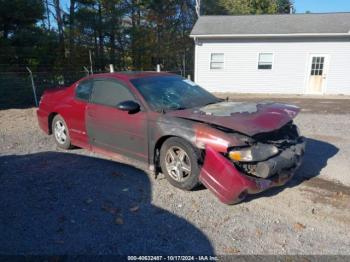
(316, 156)
(60, 203)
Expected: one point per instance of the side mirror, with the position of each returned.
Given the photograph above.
(129, 106)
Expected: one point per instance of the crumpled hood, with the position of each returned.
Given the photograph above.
(246, 118)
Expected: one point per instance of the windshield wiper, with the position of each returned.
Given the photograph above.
(178, 108)
(164, 110)
(211, 103)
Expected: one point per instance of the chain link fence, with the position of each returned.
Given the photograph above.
(16, 89)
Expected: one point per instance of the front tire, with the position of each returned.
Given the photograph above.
(179, 162)
(61, 133)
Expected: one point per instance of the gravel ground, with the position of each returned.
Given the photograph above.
(58, 202)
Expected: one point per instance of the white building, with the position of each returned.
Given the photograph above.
(286, 54)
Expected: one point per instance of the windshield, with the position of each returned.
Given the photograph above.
(172, 93)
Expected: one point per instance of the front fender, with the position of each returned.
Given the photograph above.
(200, 135)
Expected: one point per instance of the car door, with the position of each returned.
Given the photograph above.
(77, 114)
(113, 129)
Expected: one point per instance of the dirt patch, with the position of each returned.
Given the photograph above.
(330, 186)
(328, 192)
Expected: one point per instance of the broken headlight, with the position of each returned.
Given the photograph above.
(258, 152)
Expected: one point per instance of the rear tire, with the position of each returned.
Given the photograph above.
(179, 162)
(61, 133)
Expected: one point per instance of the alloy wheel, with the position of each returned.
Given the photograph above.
(60, 132)
(178, 164)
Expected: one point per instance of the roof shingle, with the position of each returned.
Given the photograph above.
(329, 23)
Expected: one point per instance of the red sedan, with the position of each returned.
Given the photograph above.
(179, 129)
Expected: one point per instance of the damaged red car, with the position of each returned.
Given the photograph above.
(179, 129)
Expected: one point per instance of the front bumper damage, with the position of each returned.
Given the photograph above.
(231, 184)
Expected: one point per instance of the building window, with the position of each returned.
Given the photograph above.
(265, 61)
(217, 61)
(317, 66)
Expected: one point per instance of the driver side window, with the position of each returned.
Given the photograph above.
(110, 93)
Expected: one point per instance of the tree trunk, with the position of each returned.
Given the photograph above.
(71, 26)
(6, 31)
(100, 36)
(96, 46)
(136, 37)
(48, 14)
(59, 21)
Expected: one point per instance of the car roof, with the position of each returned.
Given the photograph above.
(129, 75)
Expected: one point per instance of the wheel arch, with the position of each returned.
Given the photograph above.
(156, 150)
(159, 143)
(49, 121)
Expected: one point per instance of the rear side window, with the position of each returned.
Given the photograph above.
(110, 93)
(83, 90)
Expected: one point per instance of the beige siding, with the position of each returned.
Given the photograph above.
(290, 70)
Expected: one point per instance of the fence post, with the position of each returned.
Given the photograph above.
(86, 70)
(111, 68)
(90, 58)
(33, 86)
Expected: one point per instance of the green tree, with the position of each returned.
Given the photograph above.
(16, 15)
(212, 7)
(238, 7)
(243, 7)
(19, 32)
(285, 6)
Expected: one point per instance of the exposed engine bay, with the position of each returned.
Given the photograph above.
(271, 153)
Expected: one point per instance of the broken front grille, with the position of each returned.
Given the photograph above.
(282, 138)
(286, 139)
